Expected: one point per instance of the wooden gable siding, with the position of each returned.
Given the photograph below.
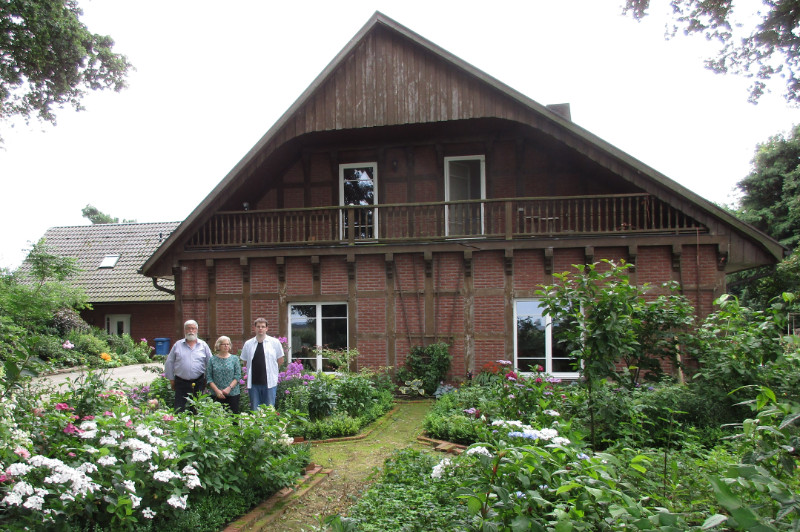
(388, 80)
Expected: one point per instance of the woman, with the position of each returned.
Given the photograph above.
(223, 374)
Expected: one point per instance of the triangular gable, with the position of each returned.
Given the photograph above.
(385, 66)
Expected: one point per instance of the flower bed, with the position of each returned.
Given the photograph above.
(85, 459)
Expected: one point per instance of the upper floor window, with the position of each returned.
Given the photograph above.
(464, 179)
(358, 186)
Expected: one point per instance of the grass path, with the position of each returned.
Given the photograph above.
(355, 465)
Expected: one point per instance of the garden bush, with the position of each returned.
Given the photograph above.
(86, 459)
(429, 364)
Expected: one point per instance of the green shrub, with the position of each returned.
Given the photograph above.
(322, 397)
(336, 426)
(356, 393)
(429, 364)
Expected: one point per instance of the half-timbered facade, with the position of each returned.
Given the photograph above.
(407, 198)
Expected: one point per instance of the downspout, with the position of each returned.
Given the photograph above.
(161, 288)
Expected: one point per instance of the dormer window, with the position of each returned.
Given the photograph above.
(109, 261)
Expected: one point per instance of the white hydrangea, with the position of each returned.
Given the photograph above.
(18, 469)
(129, 485)
(107, 460)
(147, 513)
(136, 501)
(439, 468)
(108, 441)
(178, 502)
(479, 450)
(165, 476)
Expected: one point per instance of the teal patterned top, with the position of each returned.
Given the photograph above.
(221, 371)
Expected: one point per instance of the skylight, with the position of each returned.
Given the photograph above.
(109, 261)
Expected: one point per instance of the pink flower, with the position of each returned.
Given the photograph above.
(67, 345)
(63, 406)
(511, 376)
(167, 417)
(88, 418)
(108, 413)
(71, 429)
(538, 380)
(22, 452)
(129, 423)
(72, 455)
(144, 340)
(539, 369)
(4, 478)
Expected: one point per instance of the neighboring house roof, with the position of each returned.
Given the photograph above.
(116, 281)
(343, 97)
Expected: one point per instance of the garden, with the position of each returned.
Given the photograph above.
(623, 448)
(712, 446)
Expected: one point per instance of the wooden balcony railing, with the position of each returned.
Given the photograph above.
(449, 220)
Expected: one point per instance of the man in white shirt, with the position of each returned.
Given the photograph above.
(263, 355)
(185, 366)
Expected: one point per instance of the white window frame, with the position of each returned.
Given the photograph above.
(447, 191)
(347, 166)
(114, 318)
(319, 359)
(548, 341)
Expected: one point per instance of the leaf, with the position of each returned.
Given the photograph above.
(714, 520)
(567, 487)
(788, 420)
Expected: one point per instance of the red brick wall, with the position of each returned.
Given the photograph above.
(229, 276)
(479, 336)
(148, 320)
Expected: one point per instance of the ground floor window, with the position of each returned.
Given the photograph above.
(534, 342)
(316, 325)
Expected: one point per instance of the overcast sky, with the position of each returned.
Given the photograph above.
(212, 77)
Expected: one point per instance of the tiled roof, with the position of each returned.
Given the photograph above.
(90, 244)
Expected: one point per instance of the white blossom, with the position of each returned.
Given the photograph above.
(148, 513)
(107, 460)
(165, 476)
(18, 469)
(177, 502)
(136, 501)
(479, 450)
(129, 485)
(109, 441)
(439, 468)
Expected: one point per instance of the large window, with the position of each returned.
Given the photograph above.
(464, 179)
(358, 187)
(535, 344)
(315, 325)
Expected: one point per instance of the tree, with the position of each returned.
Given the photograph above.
(769, 49)
(94, 215)
(771, 193)
(604, 321)
(49, 58)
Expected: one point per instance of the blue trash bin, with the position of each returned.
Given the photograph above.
(162, 346)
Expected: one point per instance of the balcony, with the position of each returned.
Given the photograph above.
(499, 219)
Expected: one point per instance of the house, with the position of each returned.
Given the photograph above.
(109, 257)
(407, 197)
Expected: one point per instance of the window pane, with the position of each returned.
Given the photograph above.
(303, 311)
(334, 311)
(334, 333)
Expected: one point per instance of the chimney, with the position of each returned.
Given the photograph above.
(562, 110)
